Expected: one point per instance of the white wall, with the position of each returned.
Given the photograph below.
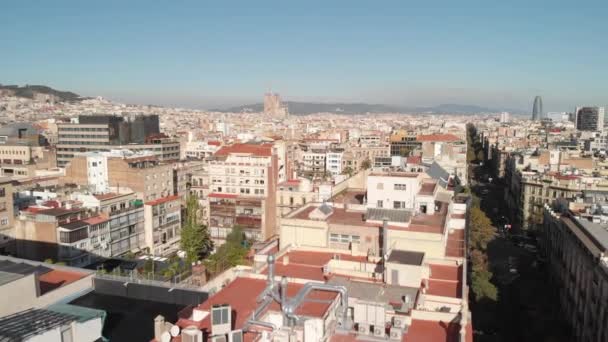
(382, 188)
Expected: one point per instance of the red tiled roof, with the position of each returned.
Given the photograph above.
(220, 195)
(214, 143)
(51, 204)
(163, 200)
(263, 150)
(241, 295)
(433, 331)
(308, 265)
(438, 137)
(57, 278)
(427, 188)
(455, 244)
(414, 159)
(290, 182)
(96, 219)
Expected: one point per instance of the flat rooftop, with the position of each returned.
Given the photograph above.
(241, 295)
(406, 257)
(308, 265)
(378, 292)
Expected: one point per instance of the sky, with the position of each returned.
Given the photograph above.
(209, 54)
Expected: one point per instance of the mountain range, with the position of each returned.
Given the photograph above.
(304, 108)
(28, 91)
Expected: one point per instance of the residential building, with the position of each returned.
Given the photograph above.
(243, 188)
(402, 142)
(162, 225)
(7, 218)
(23, 151)
(333, 162)
(575, 245)
(141, 172)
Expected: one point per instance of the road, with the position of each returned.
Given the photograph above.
(525, 308)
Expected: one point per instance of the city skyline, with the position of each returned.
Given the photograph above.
(207, 56)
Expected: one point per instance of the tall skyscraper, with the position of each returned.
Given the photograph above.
(589, 118)
(537, 109)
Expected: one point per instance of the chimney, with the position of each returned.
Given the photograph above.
(159, 327)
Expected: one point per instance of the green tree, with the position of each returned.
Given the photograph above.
(482, 286)
(230, 254)
(348, 171)
(481, 230)
(366, 164)
(195, 238)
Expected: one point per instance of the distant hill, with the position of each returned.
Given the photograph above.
(29, 91)
(305, 108)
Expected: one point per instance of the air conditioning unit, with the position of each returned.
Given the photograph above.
(398, 322)
(379, 331)
(363, 329)
(396, 334)
(192, 334)
(235, 336)
(219, 338)
(325, 269)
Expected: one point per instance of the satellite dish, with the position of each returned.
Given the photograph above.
(174, 330)
(165, 337)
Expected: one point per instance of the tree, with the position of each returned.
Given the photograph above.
(481, 230)
(195, 239)
(348, 171)
(366, 164)
(230, 254)
(482, 286)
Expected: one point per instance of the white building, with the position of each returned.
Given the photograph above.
(333, 162)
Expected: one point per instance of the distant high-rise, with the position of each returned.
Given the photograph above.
(537, 109)
(589, 118)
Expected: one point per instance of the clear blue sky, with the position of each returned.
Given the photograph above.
(215, 53)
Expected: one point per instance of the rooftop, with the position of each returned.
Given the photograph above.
(406, 257)
(308, 265)
(241, 295)
(262, 150)
(163, 200)
(438, 138)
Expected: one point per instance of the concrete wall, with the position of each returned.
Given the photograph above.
(307, 233)
(23, 289)
(432, 245)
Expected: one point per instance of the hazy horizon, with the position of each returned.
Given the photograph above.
(212, 55)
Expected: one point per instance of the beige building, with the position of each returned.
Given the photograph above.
(243, 191)
(142, 173)
(576, 251)
(7, 219)
(162, 222)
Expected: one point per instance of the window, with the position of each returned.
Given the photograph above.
(379, 204)
(2, 192)
(220, 315)
(398, 205)
(3, 221)
(399, 187)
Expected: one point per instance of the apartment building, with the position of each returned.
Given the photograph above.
(123, 213)
(162, 225)
(333, 162)
(293, 194)
(23, 151)
(372, 274)
(312, 163)
(142, 172)
(37, 230)
(7, 219)
(243, 183)
(575, 246)
(94, 133)
(402, 142)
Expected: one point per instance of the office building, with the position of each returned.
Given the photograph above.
(95, 133)
(589, 118)
(537, 109)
